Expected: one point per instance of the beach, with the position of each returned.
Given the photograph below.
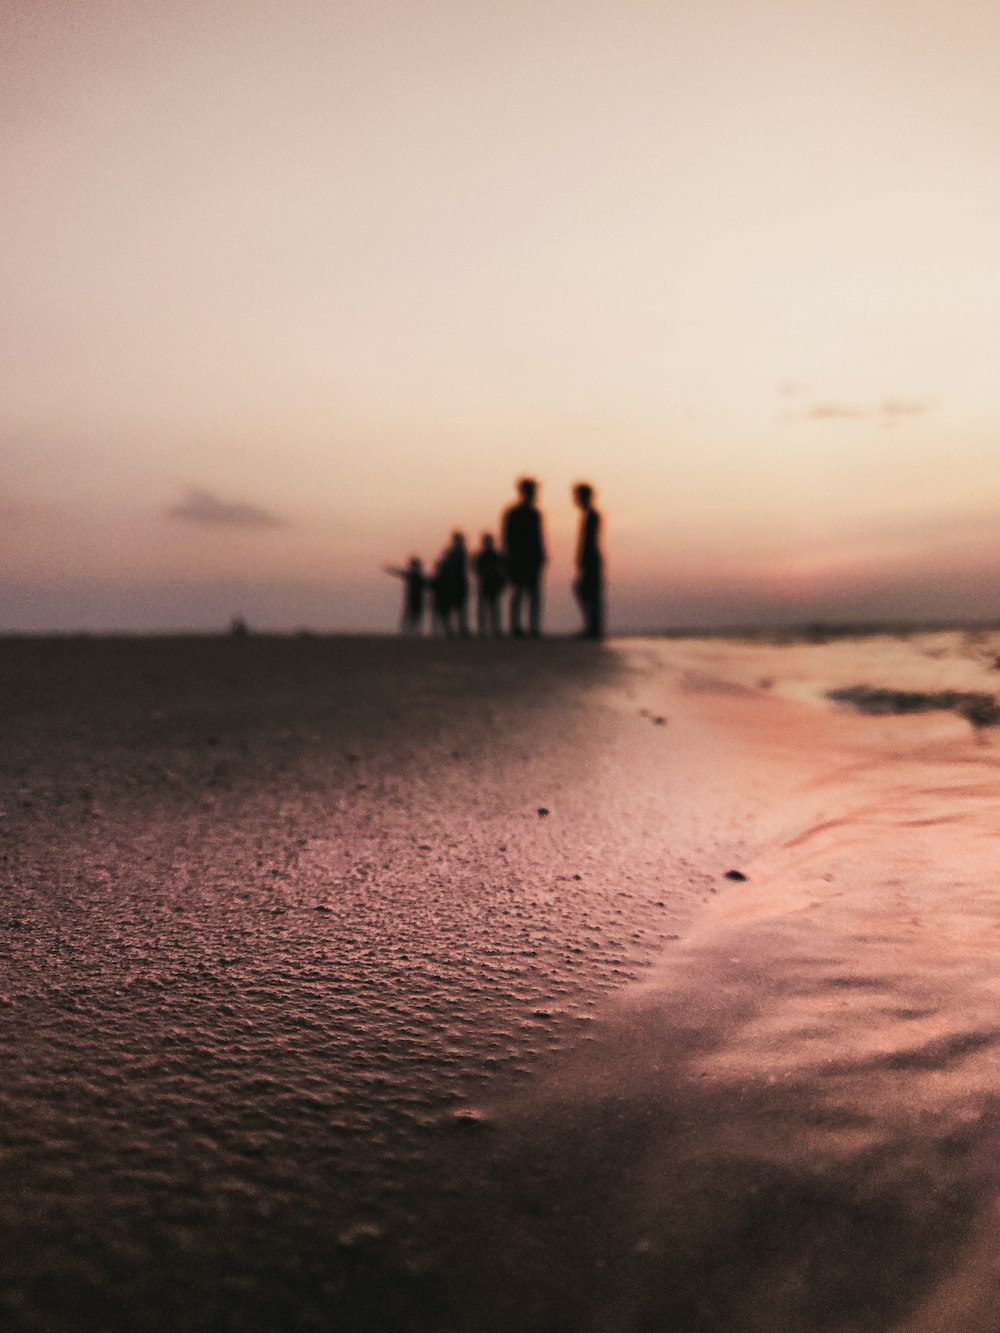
(366, 983)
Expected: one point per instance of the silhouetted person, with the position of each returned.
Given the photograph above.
(589, 584)
(490, 579)
(451, 587)
(524, 553)
(440, 607)
(415, 584)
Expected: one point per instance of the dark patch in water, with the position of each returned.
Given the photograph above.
(981, 710)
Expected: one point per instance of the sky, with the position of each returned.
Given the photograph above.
(291, 289)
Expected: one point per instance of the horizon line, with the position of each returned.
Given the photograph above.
(813, 627)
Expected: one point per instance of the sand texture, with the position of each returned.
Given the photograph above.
(367, 984)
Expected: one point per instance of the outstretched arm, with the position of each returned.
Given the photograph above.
(391, 569)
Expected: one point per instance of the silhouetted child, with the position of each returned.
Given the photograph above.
(451, 587)
(415, 582)
(589, 585)
(437, 586)
(490, 579)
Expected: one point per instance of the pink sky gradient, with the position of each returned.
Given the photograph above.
(293, 289)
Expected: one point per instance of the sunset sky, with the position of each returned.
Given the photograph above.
(294, 287)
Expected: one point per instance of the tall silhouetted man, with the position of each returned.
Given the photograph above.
(524, 555)
(589, 585)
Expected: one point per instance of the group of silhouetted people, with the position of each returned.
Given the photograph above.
(517, 564)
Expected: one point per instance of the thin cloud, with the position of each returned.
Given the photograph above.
(889, 412)
(210, 510)
(896, 409)
(834, 412)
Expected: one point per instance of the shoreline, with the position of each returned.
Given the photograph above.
(790, 1122)
(783, 631)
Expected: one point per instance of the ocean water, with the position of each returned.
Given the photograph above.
(792, 1122)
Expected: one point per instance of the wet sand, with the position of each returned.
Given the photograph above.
(312, 1018)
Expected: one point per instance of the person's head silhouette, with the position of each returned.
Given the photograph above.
(528, 489)
(487, 541)
(583, 494)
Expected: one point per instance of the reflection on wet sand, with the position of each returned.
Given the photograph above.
(793, 1124)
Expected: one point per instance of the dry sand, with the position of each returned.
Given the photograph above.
(312, 1018)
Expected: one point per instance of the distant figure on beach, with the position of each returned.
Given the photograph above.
(415, 583)
(524, 553)
(490, 579)
(589, 584)
(437, 585)
(451, 588)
